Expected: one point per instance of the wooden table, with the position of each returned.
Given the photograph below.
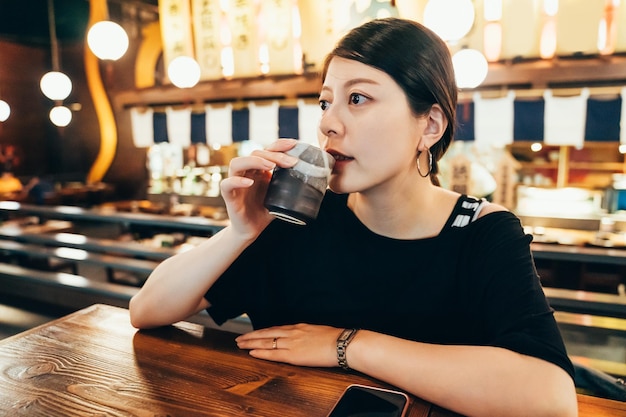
(93, 362)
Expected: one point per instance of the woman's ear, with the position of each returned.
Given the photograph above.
(436, 125)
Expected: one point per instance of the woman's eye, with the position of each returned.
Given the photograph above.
(324, 104)
(356, 98)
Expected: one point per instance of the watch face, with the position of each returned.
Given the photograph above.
(344, 335)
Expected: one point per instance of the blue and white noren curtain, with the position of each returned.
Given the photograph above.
(223, 124)
(550, 118)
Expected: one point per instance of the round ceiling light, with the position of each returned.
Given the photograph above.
(5, 110)
(470, 68)
(184, 72)
(450, 19)
(55, 85)
(107, 40)
(61, 116)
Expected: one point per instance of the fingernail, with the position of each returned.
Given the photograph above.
(289, 159)
(247, 181)
(269, 164)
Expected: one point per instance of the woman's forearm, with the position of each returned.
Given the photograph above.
(175, 289)
(471, 380)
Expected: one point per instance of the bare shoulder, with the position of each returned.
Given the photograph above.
(489, 207)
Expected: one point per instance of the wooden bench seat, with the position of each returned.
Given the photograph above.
(586, 302)
(111, 263)
(77, 292)
(62, 289)
(79, 241)
(598, 325)
(610, 367)
(576, 320)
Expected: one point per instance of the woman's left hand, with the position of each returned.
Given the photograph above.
(299, 344)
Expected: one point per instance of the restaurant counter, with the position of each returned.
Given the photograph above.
(576, 253)
(93, 362)
(110, 215)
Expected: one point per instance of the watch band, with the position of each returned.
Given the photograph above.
(343, 341)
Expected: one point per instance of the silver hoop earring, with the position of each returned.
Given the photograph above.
(430, 164)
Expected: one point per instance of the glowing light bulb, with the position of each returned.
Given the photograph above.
(55, 85)
(107, 40)
(184, 72)
(470, 67)
(5, 110)
(61, 116)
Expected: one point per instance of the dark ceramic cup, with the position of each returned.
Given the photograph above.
(295, 194)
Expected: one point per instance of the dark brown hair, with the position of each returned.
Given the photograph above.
(416, 58)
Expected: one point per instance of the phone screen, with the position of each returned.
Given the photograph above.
(363, 401)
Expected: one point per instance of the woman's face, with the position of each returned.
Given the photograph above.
(367, 125)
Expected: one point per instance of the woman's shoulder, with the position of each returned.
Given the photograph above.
(489, 207)
(469, 210)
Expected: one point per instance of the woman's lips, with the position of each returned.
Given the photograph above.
(340, 161)
(339, 157)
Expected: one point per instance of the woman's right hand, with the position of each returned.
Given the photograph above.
(245, 188)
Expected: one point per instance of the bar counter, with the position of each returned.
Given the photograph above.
(578, 253)
(107, 215)
(93, 362)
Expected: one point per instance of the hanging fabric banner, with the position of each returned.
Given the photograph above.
(309, 115)
(179, 126)
(175, 17)
(243, 24)
(622, 134)
(465, 130)
(528, 119)
(142, 124)
(577, 35)
(564, 119)
(603, 118)
(493, 123)
(207, 17)
(263, 122)
(521, 28)
(277, 35)
(620, 30)
(219, 126)
(321, 26)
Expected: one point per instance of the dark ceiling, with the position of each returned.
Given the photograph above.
(27, 21)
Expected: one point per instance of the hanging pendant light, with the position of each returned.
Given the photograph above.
(450, 19)
(107, 40)
(5, 110)
(55, 85)
(184, 72)
(470, 68)
(61, 116)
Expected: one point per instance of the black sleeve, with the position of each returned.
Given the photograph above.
(516, 311)
(242, 287)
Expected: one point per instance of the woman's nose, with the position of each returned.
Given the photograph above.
(330, 122)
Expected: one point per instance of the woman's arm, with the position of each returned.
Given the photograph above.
(175, 289)
(470, 380)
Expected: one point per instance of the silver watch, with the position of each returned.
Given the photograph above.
(343, 341)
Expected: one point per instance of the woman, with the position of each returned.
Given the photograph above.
(441, 286)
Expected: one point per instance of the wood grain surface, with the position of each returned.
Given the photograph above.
(94, 363)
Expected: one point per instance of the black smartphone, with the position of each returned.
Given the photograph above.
(364, 401)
